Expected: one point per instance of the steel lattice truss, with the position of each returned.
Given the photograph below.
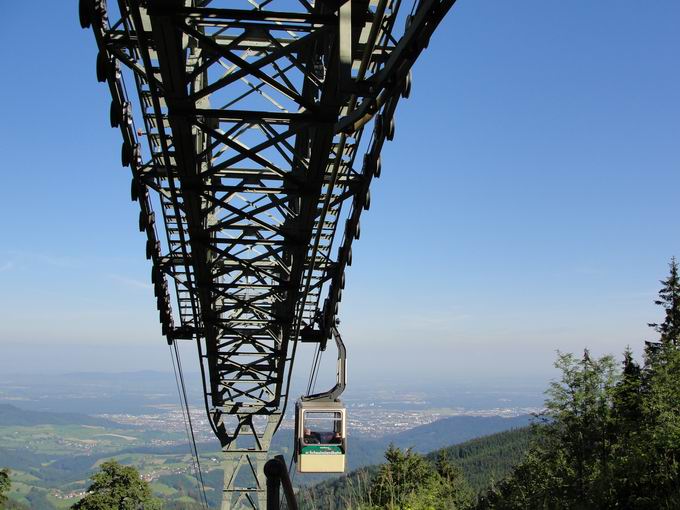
(246, 144)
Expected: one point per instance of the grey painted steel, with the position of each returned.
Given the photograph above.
(334, 393)
(254, 156)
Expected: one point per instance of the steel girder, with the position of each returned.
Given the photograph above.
(253, 120)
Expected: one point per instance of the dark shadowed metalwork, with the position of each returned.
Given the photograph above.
(254, 157)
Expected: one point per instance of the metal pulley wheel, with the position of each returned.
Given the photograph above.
(150, 249)
(134, 190)
(85, 12)
(114, 114)
(390, 130)
(406, 91)
(102, 61)
(125, 154)
(145, 220)
(129, 155)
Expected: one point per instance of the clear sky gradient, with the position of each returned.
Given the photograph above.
(528, 203)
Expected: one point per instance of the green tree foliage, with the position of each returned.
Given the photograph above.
(481, 461)
(669, 299)
(410, 481)
(489, 458)
(610, 438)
(37, 499)
(657, 478)
(10, 504)
(403, 475)
(406, 481)
(647, 413)
(5, 485)
(571, 458)
(117, 487)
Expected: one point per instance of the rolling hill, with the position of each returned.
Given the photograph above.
(482, 460)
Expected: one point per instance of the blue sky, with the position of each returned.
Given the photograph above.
(527, 204)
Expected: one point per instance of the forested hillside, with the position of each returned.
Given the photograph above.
(487, 459)
(422, 439)
(482, 461)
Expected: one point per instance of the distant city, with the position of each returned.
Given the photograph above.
(370, 420)
(146, 400)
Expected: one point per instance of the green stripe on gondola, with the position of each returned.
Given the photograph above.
(322, 449)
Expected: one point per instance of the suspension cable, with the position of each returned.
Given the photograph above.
(318, 369)
(313, 370)
(191, 427)
(184, 419)
(188, 424)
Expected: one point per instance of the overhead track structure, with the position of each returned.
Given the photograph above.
(257, 168)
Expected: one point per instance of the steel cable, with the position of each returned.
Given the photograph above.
(184, 419)
(186, 414)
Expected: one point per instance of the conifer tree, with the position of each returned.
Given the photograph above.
(409, 481)
(669, 299)
(628, 431)
(628, 409)
(403, 474)
(570, 463)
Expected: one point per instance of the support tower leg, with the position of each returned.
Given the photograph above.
(243, 463)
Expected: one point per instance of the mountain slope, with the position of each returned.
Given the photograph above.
(483, 461)
(453, 430)
(364, 451)
(488, 459)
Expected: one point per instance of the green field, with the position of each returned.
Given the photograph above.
(80, 439)
(51, 464)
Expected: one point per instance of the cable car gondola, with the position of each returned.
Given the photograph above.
(321, 436)
(321, 426)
